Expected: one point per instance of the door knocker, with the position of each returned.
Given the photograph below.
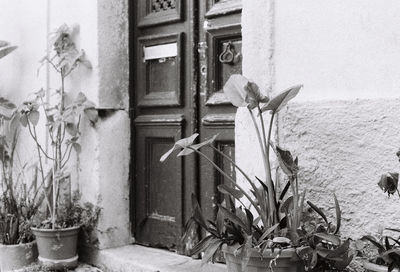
(229, 56)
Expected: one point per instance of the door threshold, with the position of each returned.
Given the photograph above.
(135, 258)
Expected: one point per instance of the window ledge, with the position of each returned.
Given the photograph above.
(135, 258)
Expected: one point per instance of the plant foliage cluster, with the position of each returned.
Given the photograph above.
(270, 215)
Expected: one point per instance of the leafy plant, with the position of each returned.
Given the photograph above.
(321, 247)
(62, 119)
(388, 250)
(19, 199)
(277, 216)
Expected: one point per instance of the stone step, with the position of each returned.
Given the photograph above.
(135, 258)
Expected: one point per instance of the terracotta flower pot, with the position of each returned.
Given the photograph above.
(371, 267)
(287, 261)
(14, 257)
(57, 248)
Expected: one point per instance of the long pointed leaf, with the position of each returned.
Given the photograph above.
(201, 246)
(279, 101)
(318, 210)
(225, 189)
(373, 241)
(338, 214)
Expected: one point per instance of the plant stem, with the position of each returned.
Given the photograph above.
(41, 169)
(271, 192)
(228, 177)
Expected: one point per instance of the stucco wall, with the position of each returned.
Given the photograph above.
(344, 124)
(101, 170)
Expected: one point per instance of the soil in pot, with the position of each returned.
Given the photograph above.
(371, 267)
(287, 261)
(58, 247)
(14, 257)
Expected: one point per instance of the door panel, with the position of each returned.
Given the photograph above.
(220, 56)
(159, 215)
(164, 87)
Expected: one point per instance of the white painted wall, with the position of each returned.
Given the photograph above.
(344, 124)
(101, 171)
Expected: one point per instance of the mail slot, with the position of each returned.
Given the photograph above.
(161, 51)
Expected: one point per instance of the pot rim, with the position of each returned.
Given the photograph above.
(285, 253)
(17, 245)
(56, 230)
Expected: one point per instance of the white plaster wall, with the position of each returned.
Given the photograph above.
(338, 49)
(101, 171)
(344, 124)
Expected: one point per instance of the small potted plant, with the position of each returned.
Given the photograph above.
(18, 202)
(387, 257)
(57, 235)
(262, 232)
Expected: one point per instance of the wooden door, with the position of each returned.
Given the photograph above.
(177, 92)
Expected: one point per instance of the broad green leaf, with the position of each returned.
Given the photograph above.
(328, 237)
(318, 210)
(197, 214)
(201, 246)
(33, 117)
(80, 98)
(279, 101)
(232, 217)
(7, 104)
(338, 214)
(3, 43)
(254, 96)
(287, 205)
(72, 129)
(76, 147)
(225, 189)
(182, 143)
(91, 114)
(6, 50)
(267, 232)
(234, 90)
(23, 119)
(340, 250)
(210, 250)
(187, 151)
(250, 219)
(286, 161)
(373, 241)
(220, 222)
(393, 250)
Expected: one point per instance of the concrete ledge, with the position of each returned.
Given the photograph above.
(134, 258)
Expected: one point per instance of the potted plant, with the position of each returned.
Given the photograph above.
(18, 201)
(56, 235)
(262, 232)
(387, 257)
